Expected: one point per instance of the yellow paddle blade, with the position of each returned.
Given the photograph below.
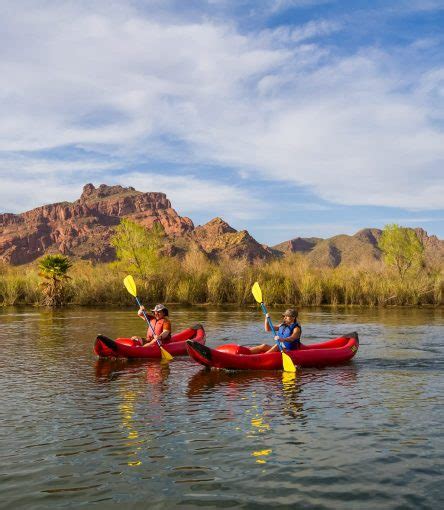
(287, 363)
(130, 285)
(257, 292)
(166, 356)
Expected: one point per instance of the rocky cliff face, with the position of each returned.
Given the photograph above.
(83, 228)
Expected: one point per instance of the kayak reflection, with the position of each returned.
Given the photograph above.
(277, 385)
(107, 370)
(205, 380)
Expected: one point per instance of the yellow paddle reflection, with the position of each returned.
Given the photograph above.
(126, 409)
(259, 425)
(261, 453)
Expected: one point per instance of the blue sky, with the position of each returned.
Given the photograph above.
(284, 117)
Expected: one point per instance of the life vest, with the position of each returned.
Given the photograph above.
(158, 326)
(285, 331)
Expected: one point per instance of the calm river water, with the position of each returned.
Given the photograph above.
(77, 432)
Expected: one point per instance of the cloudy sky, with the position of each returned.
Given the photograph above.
(285, 117)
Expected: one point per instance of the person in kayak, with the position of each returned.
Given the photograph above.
(160, 324)
(289, 333)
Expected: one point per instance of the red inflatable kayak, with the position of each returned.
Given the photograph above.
(238, 357)
(127, 348)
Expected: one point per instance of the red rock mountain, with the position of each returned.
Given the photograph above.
(83, 229)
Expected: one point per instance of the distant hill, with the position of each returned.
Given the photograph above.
(83, 230)
(358, 249)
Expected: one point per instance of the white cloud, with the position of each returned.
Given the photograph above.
(18, 194)
(356, 130)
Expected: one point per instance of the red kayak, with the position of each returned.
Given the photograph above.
(127, 348)
(238, 357)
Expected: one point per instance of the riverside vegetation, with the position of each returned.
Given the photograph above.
(401, 278)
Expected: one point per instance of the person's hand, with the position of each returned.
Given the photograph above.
(267, 315)
(276, 338)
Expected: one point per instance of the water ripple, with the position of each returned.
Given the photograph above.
(77, 431)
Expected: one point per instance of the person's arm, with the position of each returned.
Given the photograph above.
(166, 330)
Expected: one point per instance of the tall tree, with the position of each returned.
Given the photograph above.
(54, 271)
(401, 248)
(138, 248)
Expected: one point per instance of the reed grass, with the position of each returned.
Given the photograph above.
(196, 279)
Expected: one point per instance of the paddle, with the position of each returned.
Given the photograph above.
(287, 362)
(130, 285)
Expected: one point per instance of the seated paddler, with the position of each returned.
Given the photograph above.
(159, 328)
(288, 333)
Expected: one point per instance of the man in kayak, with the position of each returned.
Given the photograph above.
(159, 323)
(289, 333)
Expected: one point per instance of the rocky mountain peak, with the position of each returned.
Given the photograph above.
(90, 192)
(217, 238)
(369, 235)
(215, 227)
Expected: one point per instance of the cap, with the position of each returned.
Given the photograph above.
(160, 308)
(290, 312)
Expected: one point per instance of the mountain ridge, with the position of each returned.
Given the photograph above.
(83, 229)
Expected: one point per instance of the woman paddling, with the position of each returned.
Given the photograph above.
(289, 333)
(160, 324)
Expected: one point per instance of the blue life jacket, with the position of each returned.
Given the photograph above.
(285, 331)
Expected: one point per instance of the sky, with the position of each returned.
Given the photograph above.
(287, 118)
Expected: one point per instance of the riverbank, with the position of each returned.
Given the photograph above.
(198, 281)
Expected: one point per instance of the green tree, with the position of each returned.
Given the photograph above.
(139, 249)
(54, 271)
(401, 248)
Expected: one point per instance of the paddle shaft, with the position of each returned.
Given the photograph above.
(271, 326)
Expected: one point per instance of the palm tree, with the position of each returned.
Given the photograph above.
(54, 270)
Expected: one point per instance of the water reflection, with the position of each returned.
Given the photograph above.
(260, 397)
(107, 370)
(204, 381)
(291, 390)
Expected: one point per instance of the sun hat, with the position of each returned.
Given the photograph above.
(290, 312)
(160, 308)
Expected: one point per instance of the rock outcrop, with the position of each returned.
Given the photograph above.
(217, 239)
(83, 228)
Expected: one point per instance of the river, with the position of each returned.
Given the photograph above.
(78, 432)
